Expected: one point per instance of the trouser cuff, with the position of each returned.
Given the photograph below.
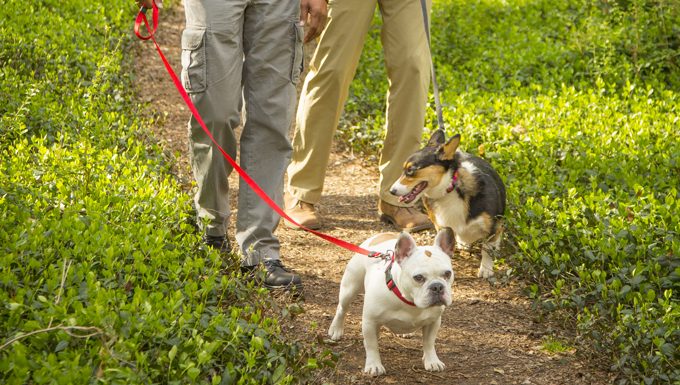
(253, 258)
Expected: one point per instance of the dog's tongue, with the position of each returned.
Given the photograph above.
(406, 198)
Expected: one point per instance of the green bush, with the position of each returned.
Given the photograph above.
(576, 104)
(505, 46)
(593, 191)
(101, 279)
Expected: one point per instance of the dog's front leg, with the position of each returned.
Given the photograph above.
(489, 249)
(351, 284)
(486, 267)
(430, 359)
(374, 365)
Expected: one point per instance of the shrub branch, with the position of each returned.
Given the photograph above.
(93, 331)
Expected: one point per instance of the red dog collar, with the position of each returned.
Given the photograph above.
(454, 180)
(392, 286)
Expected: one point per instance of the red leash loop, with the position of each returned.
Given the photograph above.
(141, 18)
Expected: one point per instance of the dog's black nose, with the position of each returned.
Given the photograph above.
(437, 287)
(393, 191)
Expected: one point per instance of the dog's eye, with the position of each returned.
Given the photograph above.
(410, 171)
(419, 278)
(447, 275)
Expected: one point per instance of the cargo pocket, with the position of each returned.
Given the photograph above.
(298, 54)
(193, 60)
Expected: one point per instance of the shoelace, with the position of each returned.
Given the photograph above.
(271, 263)
(217, 242)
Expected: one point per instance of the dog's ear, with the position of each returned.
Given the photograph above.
(446, 241)
(447, 151)
(437, 139)
(404, 247)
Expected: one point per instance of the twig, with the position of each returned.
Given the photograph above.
(406, 347)
(64, 273)
(68, 329)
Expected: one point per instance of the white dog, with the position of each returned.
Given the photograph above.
(407, 293)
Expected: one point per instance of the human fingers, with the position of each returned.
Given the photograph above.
(315, 13)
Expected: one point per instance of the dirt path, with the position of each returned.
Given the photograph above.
(490, 335)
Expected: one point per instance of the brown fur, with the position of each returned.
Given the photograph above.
(488, 222)
(430, 213)
(468, 182)
(449, 148)
(431, 174)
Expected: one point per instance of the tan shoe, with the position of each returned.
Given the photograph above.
(302, 213)
(406, 219)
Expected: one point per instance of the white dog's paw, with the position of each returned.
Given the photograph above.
(335, 332)
(434, 365)
(374, 369)
(485, 271)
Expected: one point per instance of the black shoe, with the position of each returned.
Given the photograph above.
(278, 277)
(218, 243)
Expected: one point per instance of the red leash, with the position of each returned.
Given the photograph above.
(141, 18)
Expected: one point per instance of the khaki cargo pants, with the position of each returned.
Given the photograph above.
(407, 59)
(242, 54)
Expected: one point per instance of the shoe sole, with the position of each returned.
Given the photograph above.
(296, 291)
(388, 220)
(290, 225)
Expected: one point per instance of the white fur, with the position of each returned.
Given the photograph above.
(383, 308)
(400, 189)
(469, 166)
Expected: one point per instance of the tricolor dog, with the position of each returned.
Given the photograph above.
(406, 292)
(460, 191)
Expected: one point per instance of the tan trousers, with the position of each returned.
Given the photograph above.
(407, 59)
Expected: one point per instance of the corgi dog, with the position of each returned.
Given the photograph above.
(460, 191)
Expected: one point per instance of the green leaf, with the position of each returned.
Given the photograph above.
(172, 353)
(193, 373)
(61, 346)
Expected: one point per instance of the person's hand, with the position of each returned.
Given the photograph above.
(313, 15)
(149, 3)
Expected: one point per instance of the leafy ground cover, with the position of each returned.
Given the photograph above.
(101, 279)
(576, 103)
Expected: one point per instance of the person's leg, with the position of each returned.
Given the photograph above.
(324, 93)
(272, 43)
(212, 60)
(407, 59)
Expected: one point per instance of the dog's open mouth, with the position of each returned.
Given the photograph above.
(413, 194)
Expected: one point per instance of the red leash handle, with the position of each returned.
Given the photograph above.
(141, 18)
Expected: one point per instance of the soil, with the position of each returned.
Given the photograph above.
(489, 335)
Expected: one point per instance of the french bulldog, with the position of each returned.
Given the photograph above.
(406, 292)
